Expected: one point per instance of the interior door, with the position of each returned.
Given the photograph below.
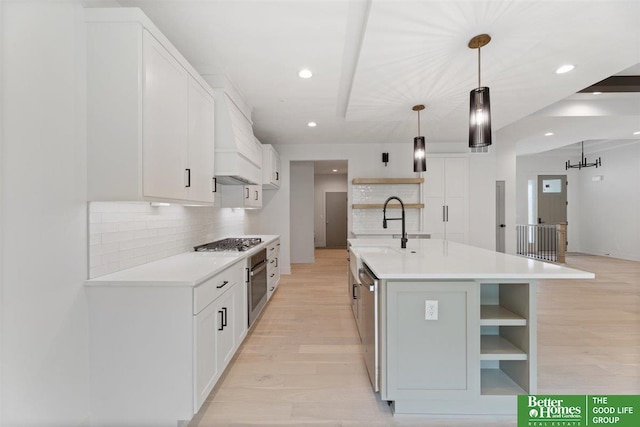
(552, 199)
(500, 215)
(336, 223)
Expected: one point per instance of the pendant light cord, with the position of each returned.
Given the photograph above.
(479, 85)
(418, 122)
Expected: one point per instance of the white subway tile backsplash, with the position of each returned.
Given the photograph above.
(370, 220)
(124, 234)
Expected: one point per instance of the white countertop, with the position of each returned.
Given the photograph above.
(389, 233)
(186, 269)
(441, 259)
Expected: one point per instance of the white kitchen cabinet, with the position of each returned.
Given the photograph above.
(150, 115)
(446, 198)
(157, 351)
(225, 339)
(201, 146)
(206, 356)
(270, 167)
(273, 267)
(240, 196)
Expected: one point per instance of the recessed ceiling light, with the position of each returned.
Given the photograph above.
(305, 73)
(565, 69)
(548, 134)
(637, 133)
(312, 124)
(335, 170)
(597, 93)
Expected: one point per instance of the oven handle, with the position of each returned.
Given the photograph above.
(258, 269)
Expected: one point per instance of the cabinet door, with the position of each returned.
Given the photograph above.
(253, 196)
(206, 366)
(200, 155)
(275, 169)
(240, 315)
(224, 329)
(456, 180)
(432, 358)
(164, 117)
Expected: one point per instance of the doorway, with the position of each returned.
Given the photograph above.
(500, 215)
(552, 199)
(336, 219)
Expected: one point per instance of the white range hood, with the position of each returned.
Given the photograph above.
(238, 155)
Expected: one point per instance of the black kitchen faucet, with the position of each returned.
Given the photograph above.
(403, 238)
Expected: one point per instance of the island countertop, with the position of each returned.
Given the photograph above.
(432, 259)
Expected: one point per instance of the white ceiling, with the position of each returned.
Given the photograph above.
(374, 59)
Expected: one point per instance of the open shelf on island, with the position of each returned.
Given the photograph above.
(495, 347)
(496, 382)
(496, 315)
(387, 181)
(389, 206)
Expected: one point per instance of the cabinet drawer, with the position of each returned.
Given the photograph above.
(211, 289)
(273, 249)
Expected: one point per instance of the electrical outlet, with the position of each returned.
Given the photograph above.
(431, 310)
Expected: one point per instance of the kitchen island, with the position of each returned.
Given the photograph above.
(447, 328)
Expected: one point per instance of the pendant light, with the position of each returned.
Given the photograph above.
(419, 147)
(480, 106)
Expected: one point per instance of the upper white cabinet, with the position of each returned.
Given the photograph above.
(270, 167)
(150, 117)
(240, 196)
(446, 198)
(271, 174)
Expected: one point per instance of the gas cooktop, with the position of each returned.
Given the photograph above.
(233, 244)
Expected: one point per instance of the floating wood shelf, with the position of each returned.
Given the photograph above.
(387, 180)
(389, 206)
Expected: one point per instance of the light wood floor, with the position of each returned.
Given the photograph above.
(301, 364)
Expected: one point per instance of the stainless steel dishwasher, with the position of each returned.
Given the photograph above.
(369, 324)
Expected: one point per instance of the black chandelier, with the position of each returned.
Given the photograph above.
(583, 162)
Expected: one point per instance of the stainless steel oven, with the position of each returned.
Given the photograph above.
(257, 284)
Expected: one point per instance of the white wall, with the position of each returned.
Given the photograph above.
(364, 161)
(482, 196)
(45, 371)
(123, 235)
(301, 212)
(322, 185)
(609, 210)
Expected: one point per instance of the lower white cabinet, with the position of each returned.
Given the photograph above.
(273, 267)
(157, 350)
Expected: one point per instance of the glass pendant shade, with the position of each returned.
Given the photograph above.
(419, 155)
(480, 118)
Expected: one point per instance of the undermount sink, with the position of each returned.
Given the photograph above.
(376, 249)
